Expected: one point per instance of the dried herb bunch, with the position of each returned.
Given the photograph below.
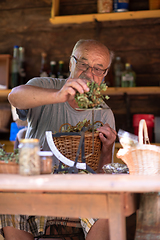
(93, 98)
(78, 127)
(9, 157)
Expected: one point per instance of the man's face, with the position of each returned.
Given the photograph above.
(94, 56)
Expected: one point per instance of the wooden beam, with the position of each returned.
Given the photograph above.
(113, 91)
(102, 16)
(131, 91)
(55, 8)
(31, 204)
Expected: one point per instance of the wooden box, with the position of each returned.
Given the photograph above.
(154, 4)
(4, 70)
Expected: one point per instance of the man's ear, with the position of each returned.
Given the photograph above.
(106, 72)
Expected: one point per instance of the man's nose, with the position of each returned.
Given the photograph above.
(89, 71)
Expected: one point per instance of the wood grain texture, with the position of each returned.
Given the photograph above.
(64, 196)
(78, 196)
(80, 183)
(31, 204)
(26, 23)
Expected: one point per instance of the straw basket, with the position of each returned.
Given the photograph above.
(143, 159)
(68, 146)
(9, 167)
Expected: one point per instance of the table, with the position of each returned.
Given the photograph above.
(76, 195)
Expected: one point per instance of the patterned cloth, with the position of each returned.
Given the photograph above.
(37, 224)
(86, 224)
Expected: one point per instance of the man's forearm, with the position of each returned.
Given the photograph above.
(105, 158)
(25, 96)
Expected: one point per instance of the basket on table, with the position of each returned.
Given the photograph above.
(9, 161)
(10, 167)
(68, 146)
(143, 158)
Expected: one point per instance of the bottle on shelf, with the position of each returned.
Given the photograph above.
(53, 69)
(60, 73)
(44, 72)
(22, 67)
(128, 78)
(118, 68)
(15, 68)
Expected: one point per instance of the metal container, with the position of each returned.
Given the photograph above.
(120, 5)
(115, 168)
(29, 160)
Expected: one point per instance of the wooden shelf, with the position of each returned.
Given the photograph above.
(70, 19)
(132, 91)
(111, 91)
(4, 92)
(4, 95)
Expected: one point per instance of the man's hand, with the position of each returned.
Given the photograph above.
(108, 137)
(27, 96)
(68, 91)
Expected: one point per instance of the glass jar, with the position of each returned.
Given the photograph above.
(46, 161)
(29, 161)
(105, 6)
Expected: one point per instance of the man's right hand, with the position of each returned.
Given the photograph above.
(68, 91)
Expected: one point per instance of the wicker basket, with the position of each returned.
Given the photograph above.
(143, 159)
(68, 146)
(10, 167)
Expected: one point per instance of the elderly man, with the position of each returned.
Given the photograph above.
(47, 103)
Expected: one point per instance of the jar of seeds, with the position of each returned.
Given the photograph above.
(29, 160)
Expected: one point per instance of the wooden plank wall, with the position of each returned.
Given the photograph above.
(26, 23)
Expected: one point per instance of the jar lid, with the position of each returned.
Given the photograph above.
(45, 153)
(29, 140)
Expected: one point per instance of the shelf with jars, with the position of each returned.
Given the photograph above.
(69, 19)
(111, 91)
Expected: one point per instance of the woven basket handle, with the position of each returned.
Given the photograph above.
(98, 122)
(60, 129)
(143, 129)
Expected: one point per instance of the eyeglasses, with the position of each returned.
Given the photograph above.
(84, 67)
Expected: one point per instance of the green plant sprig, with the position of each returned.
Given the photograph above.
(93, 98)
(9, 157)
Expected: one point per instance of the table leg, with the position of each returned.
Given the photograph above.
(148, 217)
(117, 224)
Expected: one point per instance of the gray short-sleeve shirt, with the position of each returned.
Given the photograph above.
(51, 117)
